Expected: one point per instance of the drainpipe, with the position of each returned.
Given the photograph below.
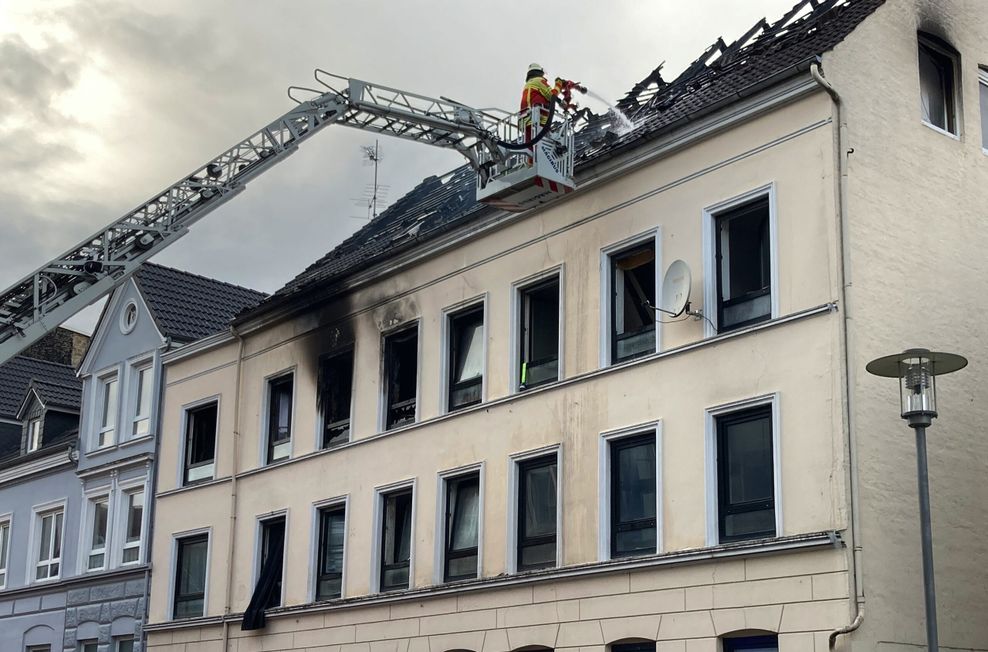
(152, 490)
(227, 606)
(844, 278)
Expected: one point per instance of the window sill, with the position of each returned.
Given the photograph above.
(195, 485)
(942, 132)
(143, 439)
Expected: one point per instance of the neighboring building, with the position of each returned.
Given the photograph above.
(97, 594)
(470, 430)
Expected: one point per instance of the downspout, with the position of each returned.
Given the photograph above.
(227, 606)
(844, 278)
(152, 491)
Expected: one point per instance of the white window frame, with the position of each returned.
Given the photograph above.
(33, 434)
(188, 407)
(101, 495)
(126, 328)
(173, 567)
(515, 460)
(123, 513)
(515, 311)
(983, 81)
(604, 484)
(955, 90)
(6, 520)
(382, 402)
(710, 427)
(444, 360)
(38, 512)
(710, 215)
(101, 380)
(329, 503)
(320, 411)
(259, 522)
(134, 368)
(607, 288)
(442, 478)
(378, 519)
(265, 417)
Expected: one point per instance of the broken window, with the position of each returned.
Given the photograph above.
(267, 590)
(200, 443)
(280, 417)
(745, 475)
(401, 351)
(332, 536)
(190, 576)
(49, 533)
(537, 513)
(466, 357)
(632, 301)
(462, 521)
(633, 496)
(539, 334)
(134, 525)
(744, 286)
(99, 517)
(936, 86)
(335, 393)
(396, 540)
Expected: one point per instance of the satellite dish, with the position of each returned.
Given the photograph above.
(676, 288)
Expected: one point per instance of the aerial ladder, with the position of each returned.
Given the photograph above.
(513, 173)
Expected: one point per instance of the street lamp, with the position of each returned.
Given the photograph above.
(917, 370)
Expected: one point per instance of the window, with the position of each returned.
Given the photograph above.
(270, 570)
(632, 301)
(128, 317)
(752, 644)
(4, 548)
(937, 89)
(983, 92)
(98, 519)
(466, 358)
(644, 646)
(107, 411)
(141, 422)
(462, 524)
(537, 513)
(88, 646)
(334, 395)
(401, 352)
(124, 645)
(33, 435)
(49, 533)
(280, 418)
(200, 442)
(743, 265)
(633, 496)
(539, 334)
(332, 536)
(190, 576)
(134, 524)
(39, 648)
(745, 474)
(396, 540)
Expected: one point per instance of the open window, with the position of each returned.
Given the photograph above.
(633, 496)
(401, 352)
(396, 540)
(937, 84)
(745, 474)
(200, 443)
(191, 556)
(329, 561)
(743, 263)
(143, 378)
(537, 496)
(632, 301)
(133, 522)
(99, 513)
(466, 357)
(335, 393)
(462, 520)
(271, 565)
(48, 534)
(279, 421)
(107, 391)
(539, 334)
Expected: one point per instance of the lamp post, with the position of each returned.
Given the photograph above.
(917, 370)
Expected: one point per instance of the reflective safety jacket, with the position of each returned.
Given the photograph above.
(537, 92)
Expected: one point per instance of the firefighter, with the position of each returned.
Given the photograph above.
(537, 92)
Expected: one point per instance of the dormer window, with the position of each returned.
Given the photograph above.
(33, 435)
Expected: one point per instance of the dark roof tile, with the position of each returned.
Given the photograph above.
(17, 373)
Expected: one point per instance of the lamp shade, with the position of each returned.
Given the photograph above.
(917, 370)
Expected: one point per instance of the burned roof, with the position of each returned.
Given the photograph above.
(762, 56)
(17, 373)
(188, 307)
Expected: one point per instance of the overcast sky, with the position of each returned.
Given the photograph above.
(103, 104)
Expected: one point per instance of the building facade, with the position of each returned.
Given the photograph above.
(470, 430)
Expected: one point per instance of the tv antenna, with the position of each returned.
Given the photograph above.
(372, 156)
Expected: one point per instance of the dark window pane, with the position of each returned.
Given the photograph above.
(200, 445)
(539, 334)
(744, 286)
(279, 417)
(462, 520)
(983, 90)
(396, 540)
(537, 513)
(746, 480)
(936, 84)
(632, 315)
(190, 577)
(633, 496)
(332, 535)
(401, 369)
(752, 644)
(334, 395)
(633, 647)
(466, 358)
(273, 554)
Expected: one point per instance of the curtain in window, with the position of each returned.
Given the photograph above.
(464, 498)
(267, 582)
(935, 85)
(470, 352)
(636, 469)
(540, 502)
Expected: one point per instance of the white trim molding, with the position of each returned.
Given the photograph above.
(511, 529)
